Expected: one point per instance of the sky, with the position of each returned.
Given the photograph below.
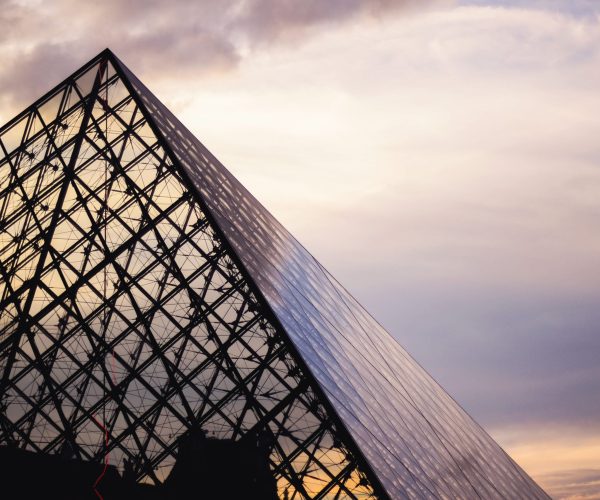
(440, 158)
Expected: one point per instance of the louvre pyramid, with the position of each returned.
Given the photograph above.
(145, 291)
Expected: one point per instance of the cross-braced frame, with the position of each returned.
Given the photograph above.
(126, 319)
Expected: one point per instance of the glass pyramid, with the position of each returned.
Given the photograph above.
(146, 293)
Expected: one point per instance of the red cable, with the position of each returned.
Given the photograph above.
(106, 459)
(107, 456)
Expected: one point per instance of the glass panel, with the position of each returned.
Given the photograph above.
(417, 440)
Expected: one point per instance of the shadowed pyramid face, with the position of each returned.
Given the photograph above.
(145, 292)
(123, 309)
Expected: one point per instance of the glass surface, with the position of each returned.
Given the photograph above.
(418, 441)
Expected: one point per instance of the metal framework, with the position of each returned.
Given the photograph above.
(144, 293)
(123, 311)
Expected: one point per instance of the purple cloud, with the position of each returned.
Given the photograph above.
(43, 43)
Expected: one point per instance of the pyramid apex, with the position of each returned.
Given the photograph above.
(107, 53)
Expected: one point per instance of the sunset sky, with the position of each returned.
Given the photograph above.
(440, 158)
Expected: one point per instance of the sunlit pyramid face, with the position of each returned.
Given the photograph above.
(155, 315)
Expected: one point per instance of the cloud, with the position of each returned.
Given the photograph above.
(42, 42)
(465, 215)
(266, 20)
(562, 459)
(446, 173)
(11, 15)
(573, 484)
(35, 72)
(574, 7)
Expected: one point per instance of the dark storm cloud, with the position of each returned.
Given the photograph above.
(44, 42)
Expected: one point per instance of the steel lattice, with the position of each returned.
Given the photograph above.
(146, 294)
(123, 308)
